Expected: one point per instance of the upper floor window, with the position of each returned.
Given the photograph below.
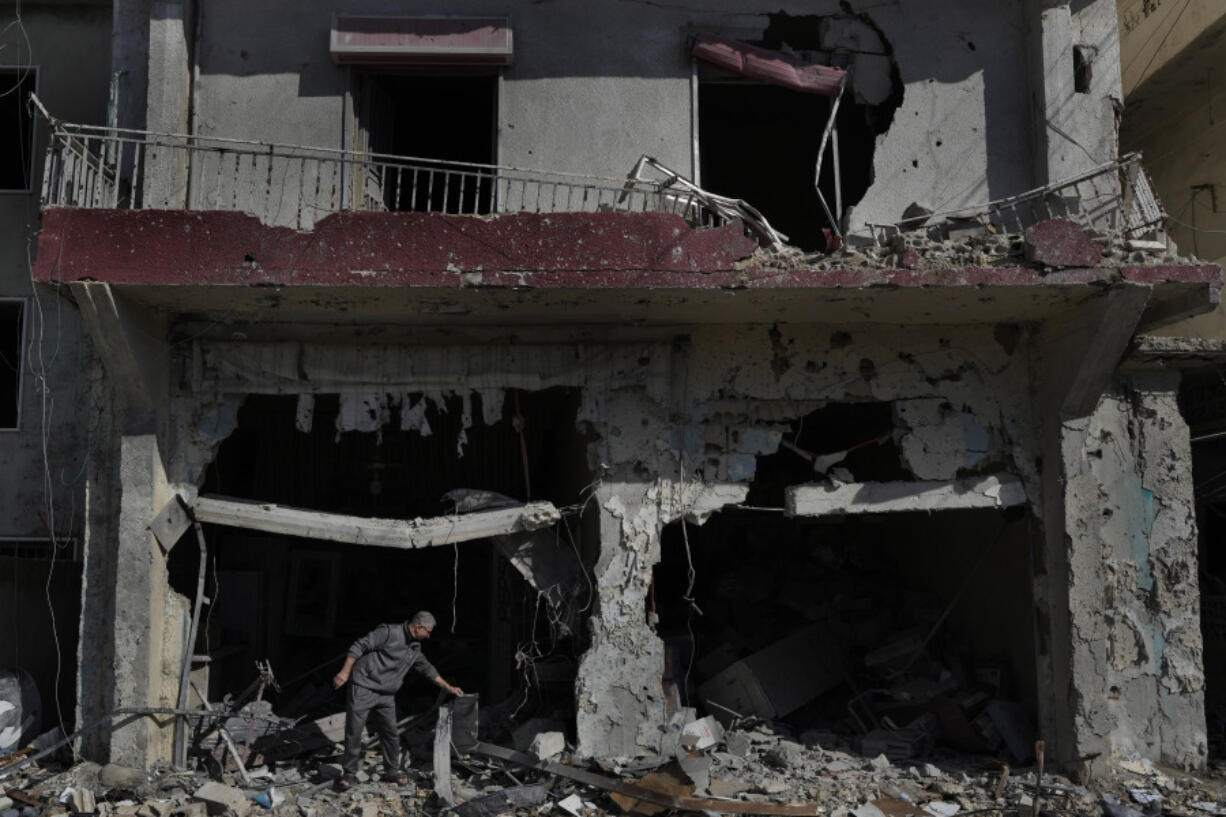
(12, 345)
(17, 128)
(450, 120)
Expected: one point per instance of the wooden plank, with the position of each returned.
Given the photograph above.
(610, 784)
(359, 530)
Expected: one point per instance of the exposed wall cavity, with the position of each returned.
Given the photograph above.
(740, 401)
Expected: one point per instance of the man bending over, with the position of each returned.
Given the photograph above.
(377, 663)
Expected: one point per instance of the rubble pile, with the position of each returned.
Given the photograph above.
(975, 246)
(746, 766)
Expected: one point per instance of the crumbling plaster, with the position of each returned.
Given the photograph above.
(676, 426)
(1136, 669)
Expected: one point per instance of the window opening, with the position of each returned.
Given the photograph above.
(16, 127)
(773, 113)
(12, 344)
(1083, 61)
(447, 120)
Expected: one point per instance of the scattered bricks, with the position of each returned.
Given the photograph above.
(909, 259)
(1061, 243)
(219, 798)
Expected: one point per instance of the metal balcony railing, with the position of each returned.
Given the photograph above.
(1112, 197)
(296, 186)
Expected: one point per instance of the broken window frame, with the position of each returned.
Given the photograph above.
(23, 312)
(19, 75)
(830, 134)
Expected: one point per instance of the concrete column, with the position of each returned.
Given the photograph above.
(1074, 130)
(1121, 589)
(169, 101)
(132, 623)
(620, 709)
(144, 650)
(618, 695)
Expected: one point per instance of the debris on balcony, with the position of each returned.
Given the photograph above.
(1114, 198)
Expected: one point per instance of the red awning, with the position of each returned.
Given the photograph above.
(765, 65)
(421, 40)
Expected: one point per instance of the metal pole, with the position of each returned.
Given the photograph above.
(821, 153)
(188, 649)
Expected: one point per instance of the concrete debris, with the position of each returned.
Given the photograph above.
(547, 745)
(773, 772)
(977, 248)
(702, 734)
(219, 798)
(114, 776)
(1060, 243)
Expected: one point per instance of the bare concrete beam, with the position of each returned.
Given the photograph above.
(826, 499)
(1194, 301)
(1080, 352)
(359, 530)
(131, 342)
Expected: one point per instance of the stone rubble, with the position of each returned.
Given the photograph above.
(769, 768)
(922, 250)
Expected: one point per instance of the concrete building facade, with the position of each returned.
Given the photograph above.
(289, 319)
(47, 366)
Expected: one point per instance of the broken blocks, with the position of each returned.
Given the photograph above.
(1061, 243)
(219, 798)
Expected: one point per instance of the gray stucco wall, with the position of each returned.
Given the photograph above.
(70, 47)
(597, 84)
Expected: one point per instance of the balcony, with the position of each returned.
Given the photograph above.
(294, 186)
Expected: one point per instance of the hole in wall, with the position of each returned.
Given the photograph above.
(759, 142)
(828, 626)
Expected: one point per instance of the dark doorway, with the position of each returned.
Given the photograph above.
(439, 121)
(760, 143)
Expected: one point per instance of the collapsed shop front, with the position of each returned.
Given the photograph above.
(700, 441)
(987, 511)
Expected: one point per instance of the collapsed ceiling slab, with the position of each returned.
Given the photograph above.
(358, 530)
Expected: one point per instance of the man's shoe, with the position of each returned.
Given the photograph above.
(344, 782)
(399, 778)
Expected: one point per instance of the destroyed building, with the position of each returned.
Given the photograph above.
(834, 385)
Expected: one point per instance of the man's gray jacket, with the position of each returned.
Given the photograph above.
(384, 656)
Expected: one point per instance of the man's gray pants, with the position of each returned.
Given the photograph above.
(380, 709)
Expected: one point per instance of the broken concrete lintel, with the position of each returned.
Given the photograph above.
(358, 530)
(995, 491)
